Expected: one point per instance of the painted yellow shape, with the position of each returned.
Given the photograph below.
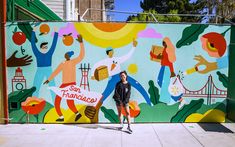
(213, 115)
(69, 116)
(132, 68)
(104, 39)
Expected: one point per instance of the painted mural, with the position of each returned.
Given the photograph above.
(66, 72)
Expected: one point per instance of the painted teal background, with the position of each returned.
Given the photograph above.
(147, 69)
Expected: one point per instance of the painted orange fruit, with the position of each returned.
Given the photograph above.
(44, 29)
(68, 39)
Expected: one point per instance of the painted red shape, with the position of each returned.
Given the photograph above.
(33, 105)
(134, 109)
(214, 43)
(19, 38)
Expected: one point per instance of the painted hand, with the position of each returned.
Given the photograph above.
(79, 39)
(56, 29)
(159, 56)
(90, 112)
(209, 66)
(13, 61)
(46, 82)
(34, 29)
(135, 43)
(172, 74)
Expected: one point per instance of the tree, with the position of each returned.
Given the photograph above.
(223, 8)
(145, 16)
(172, 7)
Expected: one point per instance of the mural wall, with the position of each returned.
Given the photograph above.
(64, 72)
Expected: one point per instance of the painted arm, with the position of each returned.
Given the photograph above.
(53, 46)
(81, 55)
(33, 44)
(222, 62)
(159, 56)
(129, 54)
(82, 51)
(97, 64)
(56, 72)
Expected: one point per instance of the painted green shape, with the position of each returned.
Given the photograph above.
(160, 112)
(187, 110)
(19, 116)
(27, 29)
(219, 105)
(154, 93)
(110, 115)
(190, 34)
(226, 31)
(223, 78)
(15, 98)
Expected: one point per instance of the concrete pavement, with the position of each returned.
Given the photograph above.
(107, 135)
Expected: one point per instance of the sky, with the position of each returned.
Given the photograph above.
(126, 5)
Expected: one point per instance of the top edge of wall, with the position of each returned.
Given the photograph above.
(152, 22)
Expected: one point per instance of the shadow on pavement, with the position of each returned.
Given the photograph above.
(214, 127)
(96, 126)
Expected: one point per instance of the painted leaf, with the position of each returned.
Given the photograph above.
(110, 115)
(190, 34)
(187, 110)
(26, 28)
(223, 78)
(37, 24)
(154, 93)
(15, 29)
(225, 31)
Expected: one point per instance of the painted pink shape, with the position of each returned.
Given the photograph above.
(69, 28)
(149, 33)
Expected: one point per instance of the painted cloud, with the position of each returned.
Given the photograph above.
(149, 33)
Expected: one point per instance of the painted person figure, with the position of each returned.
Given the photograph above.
(167, 69)
(121, 97)
(68, 69)
(114, 68)
(44, 60)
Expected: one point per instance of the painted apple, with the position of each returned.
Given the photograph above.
(19, 38)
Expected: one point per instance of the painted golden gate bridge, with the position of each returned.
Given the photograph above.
(209, 91)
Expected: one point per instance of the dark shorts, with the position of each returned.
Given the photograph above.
(122, 102)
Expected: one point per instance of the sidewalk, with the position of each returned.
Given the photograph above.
(107, 135)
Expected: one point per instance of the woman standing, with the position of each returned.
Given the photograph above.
(122, 96)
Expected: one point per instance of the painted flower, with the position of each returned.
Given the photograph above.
(134, 109)
(33, 105)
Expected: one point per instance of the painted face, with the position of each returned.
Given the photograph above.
(214, 44)
(44, 49)
(110, 54)
(123, 77)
